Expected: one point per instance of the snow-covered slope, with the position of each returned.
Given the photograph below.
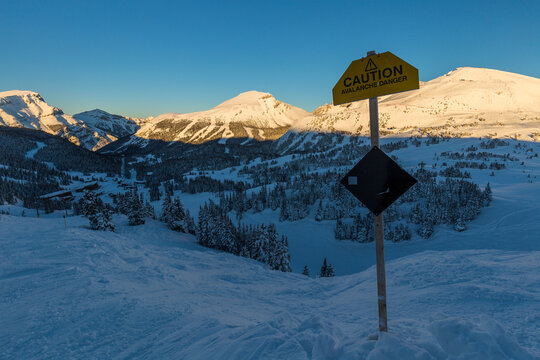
(151, 293)
(465, 102)
(116, 125)
(251, 114)
(27, 109)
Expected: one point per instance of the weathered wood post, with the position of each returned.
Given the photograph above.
(379, 222)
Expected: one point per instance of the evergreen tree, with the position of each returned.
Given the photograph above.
(137, 211)
(99, 216)
(460, 225)
(281, 256)
(89, 204)
(149, 210)
(339, 231)
(425, 229)
(284, 211)
(175, 216)
(326, 270)
(319, 214)
(487, 195)
(330, 271)
(101, 220)
(259, 245)
(166, 208)
(305, 271)
(190, 223)
(202, 225)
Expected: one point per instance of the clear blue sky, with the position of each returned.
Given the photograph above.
(145, 58)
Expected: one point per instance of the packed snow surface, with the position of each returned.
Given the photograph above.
(147, 292)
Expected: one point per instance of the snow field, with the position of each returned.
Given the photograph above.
(147, 292)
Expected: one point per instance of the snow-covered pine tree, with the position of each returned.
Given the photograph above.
(137, 211)
(284, 210)
(190, 223)
(319, 213)
(202, 225)
(272, 247)
(99, 216)
(425, 229)
(389, 234)
(259, 245)
(325, 269)
(243, 241)
(330, 271)
(89, 204)
(166, 208)
(305, 271)
(487, 195)
(149, 210)
(282, 258)
(101, 220)
(176, 216)
(460, 225)
(339, 231)
(401, 232)
(224, 233)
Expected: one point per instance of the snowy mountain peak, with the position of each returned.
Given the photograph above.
(466, 102)
(247, 98)
(251, 114)
(115, 125)
(27, 109)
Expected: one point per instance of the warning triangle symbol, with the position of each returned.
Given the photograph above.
(371, 65)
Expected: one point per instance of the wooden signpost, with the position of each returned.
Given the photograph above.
(376, 180)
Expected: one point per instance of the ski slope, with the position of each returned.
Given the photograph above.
(149, 293)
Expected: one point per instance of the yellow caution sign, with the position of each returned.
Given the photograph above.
(375, 75)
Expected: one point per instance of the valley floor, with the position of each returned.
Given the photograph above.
(147, 292)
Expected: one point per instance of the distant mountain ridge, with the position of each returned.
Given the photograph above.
(465, 102)
(27, 109)
(116, 125)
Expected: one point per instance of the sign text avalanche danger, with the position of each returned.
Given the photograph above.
(373, 79)
(375, 75)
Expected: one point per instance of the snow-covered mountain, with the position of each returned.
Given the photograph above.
(464, 102)
(116, 125)
(27, 109)
(251, 114)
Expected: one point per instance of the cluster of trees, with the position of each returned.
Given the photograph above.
(176, 217)
(327, 270)
(452, 201)
(23, 179)
(362, 230)
(483, 156)
(262, 243)
(98, 213)
(133, 205)
(453, 171)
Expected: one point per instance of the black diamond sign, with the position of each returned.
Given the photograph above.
(377, 181)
